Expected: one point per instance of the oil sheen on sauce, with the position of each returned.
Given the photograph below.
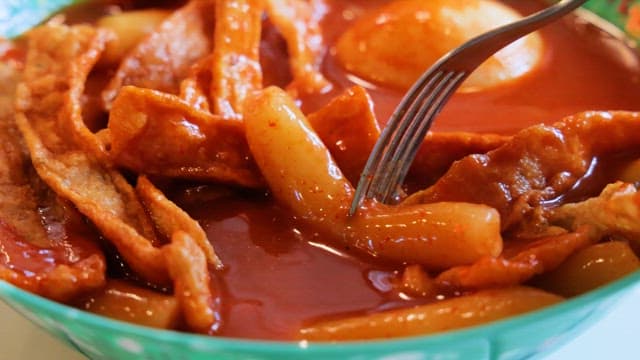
(280, 274)
(584, 68)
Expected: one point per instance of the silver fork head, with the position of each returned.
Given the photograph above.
(416, 131)
(399, 142)
(391, 157)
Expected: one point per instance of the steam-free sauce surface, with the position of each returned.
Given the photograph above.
(584, 68)
(279, 274)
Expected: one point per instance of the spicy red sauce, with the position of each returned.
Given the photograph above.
(584, 68)
(28, 259)
(280, 273)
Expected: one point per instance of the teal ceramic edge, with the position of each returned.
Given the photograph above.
(102, 338)
(514, 338)
(18, 16)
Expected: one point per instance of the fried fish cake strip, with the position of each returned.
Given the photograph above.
(187, 258)
(169, 219)
(192, 283)
(17, 200)
(43, 246)
(538, 257)
(164, 58)
(298, 22)
(57, 54)
(538, 164)
(158, 134)
(615, 212)
(348, 127)
(195, 88)
(236, 69)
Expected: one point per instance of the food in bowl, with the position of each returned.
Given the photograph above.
(368, 48)
(188, 175)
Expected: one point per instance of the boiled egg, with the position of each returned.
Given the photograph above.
(395, 44)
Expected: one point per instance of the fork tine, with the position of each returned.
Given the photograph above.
(388, 138)
(383, 170)
(406, 109)
(418, 129)
(387, 184)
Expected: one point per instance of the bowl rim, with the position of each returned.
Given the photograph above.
(25, 298)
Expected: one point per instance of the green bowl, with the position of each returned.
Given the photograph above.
(17, 16)
(518, 337)
(102, 338)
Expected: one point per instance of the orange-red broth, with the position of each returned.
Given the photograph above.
(281, 274)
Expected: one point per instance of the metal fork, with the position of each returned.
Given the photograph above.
(398, 144)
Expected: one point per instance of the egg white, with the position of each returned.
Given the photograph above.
(395, 44)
